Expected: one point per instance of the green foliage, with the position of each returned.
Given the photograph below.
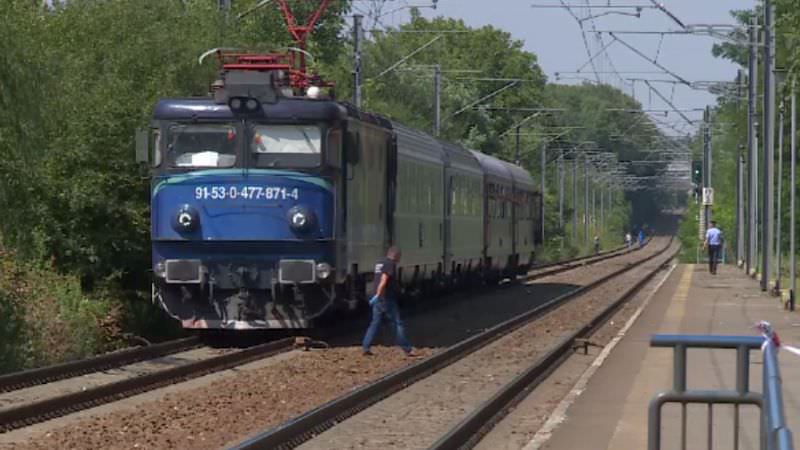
(47, 318)
(76, 79)
(688, 234)
(464, 54)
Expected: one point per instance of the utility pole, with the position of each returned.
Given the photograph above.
(793, 187)
(357, 80)
(544, 186)
(517, 152)
(769, 146)
(561, 189)
(778, 217)
(437, 103)
(225, 5)
(586, 199)
(575, 199)
(752, 148)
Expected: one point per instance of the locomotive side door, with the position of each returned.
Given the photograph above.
(448, 210)
(367, 197)
(391, 188)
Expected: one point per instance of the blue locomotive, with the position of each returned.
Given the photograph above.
(270, 205)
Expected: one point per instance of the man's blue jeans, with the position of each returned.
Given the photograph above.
(386, 307)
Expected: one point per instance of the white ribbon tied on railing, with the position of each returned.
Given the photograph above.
(770, 335)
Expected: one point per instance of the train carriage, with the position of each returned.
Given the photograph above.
(419, 214)
(525, 204)
(464, 213)
(498, 237)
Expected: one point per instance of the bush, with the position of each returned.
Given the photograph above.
(47, 319)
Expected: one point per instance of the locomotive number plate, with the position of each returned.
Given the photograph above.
(245, 192)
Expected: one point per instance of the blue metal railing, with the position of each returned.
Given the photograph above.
(775, 435)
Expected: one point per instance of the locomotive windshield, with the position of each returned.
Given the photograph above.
(202, 145)
(286, 145)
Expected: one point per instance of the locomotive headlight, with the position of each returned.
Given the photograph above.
(159, 269)
(186, 220)
(301, 219)
(324, 270)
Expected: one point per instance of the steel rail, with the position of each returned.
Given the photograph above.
(304, 427)
(39, 411)
(34, 377)
(477, 424)
(580, 262)
(48, 374)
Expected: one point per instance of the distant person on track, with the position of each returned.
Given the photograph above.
(596, 244)
(641, 238)
(628, 240)
(384, 302)
(713, 244)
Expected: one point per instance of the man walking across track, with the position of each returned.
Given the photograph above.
(384, 302)
(713, 244)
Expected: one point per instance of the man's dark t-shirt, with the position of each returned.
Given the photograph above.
(388, 267)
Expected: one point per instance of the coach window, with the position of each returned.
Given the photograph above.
(202, 145)
(286, 145)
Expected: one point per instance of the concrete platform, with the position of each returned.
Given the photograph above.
(612, 411)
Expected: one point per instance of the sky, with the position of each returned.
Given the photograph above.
(555, 37)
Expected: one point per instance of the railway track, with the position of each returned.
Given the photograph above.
(468, 432)
(33, 377)
(50, 408)
(303, 428)
(544, 270)
(40, 410)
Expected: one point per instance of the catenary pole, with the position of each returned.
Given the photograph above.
(778, 220)
(602, 210)
(575, 199)
(561, 189)
(586, 199)
(752, 149)
(544, 185)
(437, 103)
(793, 189)
(740, 182)
(706, 164)
(767, 206)
(357, 75)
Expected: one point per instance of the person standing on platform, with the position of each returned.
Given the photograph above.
(641, 237)
(628, 240)
(384, 302)
(713, 244)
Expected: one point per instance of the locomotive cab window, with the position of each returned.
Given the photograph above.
(286, 145)
(202, 145)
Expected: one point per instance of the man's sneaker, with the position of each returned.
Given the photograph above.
(367, 353)
(410, 354)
